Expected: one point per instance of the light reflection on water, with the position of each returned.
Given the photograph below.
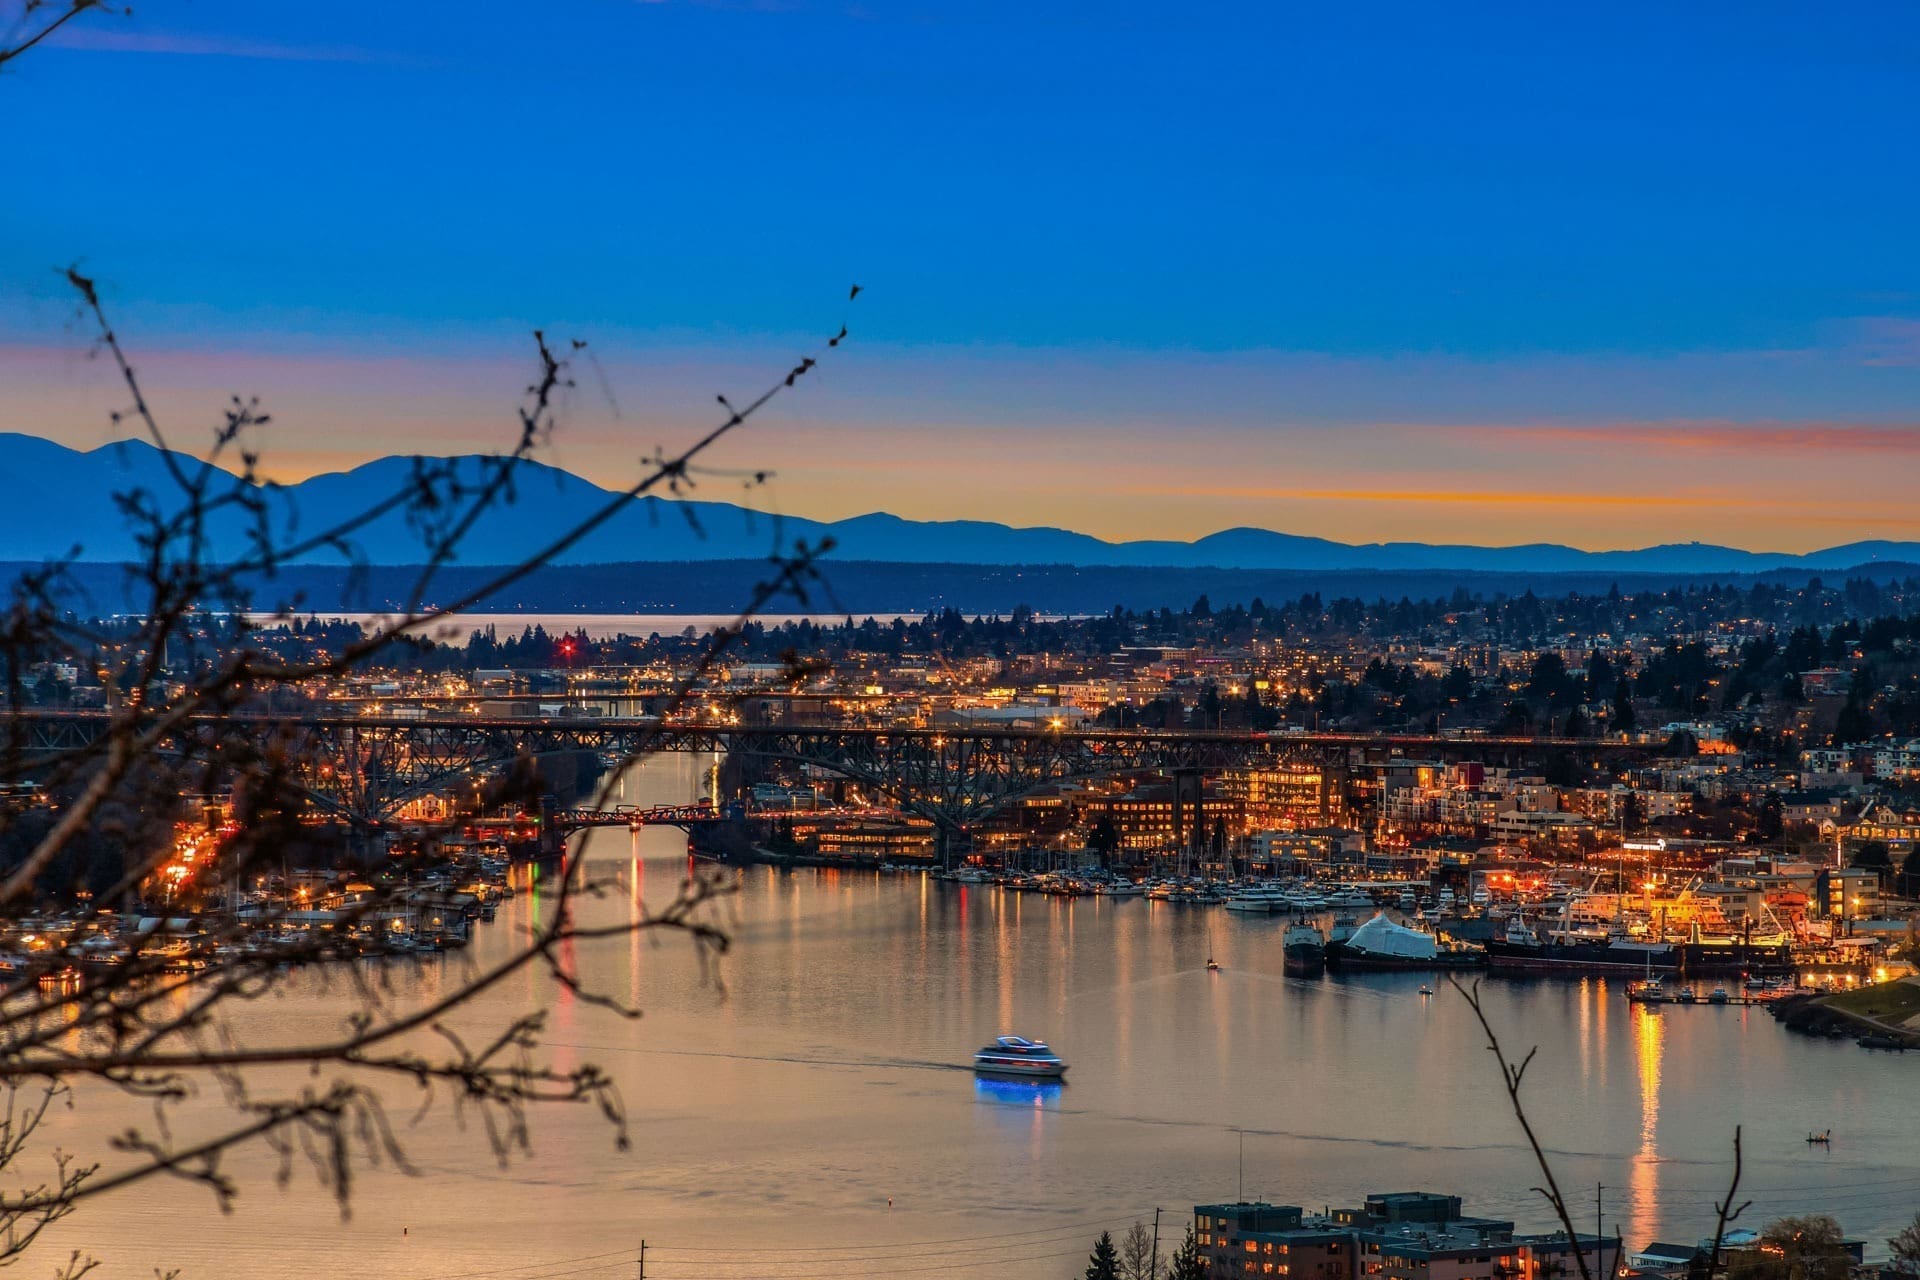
(819, 1096)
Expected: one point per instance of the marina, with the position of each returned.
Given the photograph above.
(835, 1034)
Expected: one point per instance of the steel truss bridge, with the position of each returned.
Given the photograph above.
(366, 768)
(684, 816)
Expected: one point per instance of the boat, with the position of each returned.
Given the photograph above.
(1382, 944)
(1649, 992)
(1685, 995)
(1719, 995)
(1632, 956)
(1426, 990)
(1303, 951)
(1824, 1139)
(1256, 900)
(1880, 1040)
(1019, 1056)
(1213, 966)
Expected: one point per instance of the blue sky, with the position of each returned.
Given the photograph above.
(1365, 271)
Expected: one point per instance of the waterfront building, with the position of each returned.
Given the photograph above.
(1287, 796)
(1409, 1235)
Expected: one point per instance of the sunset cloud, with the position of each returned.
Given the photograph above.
(1720, 436)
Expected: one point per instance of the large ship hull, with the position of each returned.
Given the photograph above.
(1638, 960)
(1304, 961)
(1340, 956)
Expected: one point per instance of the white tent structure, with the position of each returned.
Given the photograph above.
(1380, 938)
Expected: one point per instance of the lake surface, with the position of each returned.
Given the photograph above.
(776, 1113)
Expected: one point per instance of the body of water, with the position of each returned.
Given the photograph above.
(806, 1111)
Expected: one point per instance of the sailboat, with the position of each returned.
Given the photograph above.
(1213, 966)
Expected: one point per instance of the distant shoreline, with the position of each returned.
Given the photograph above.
(703, 589)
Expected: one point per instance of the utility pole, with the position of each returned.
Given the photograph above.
(1599, 1190)
(643, 1260)
(1241, 1194)
(1153, 1263)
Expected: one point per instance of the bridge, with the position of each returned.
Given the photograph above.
(634, 817)
(367, 767)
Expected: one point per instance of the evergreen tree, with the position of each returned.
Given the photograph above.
(1104, 1262)
(1186, 1263)
(1623, 718)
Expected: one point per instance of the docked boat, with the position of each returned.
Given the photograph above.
(1019, 1056)
(1570, 951)
(1303, 951)
(1382, 944)
(1258, 900)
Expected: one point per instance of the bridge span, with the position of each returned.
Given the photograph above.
(368, 766)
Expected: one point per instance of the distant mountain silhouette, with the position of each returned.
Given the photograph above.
(59, 501)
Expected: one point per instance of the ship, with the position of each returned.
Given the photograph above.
(1382, 944)
(1524, 951)
(1303, 951)
(1019, 1056)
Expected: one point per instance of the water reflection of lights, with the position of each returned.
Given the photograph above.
(1649, 1038)
(1037, 1095)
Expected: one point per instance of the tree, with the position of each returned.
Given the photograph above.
(1910, 873)
(1137, 1260)
(1873, 856)
(1104, 1262)
(1905, 1248)
(1186, 1262)
(1806, 1248)
(195, 699)
(1623, 720)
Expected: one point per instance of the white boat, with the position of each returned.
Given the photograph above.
(1256, 900)
(1019, 1056)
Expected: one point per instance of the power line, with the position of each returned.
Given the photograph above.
(533, 1266)
(902, 1244)
(884, 1271)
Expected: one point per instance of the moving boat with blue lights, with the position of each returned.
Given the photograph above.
(1019, 1056)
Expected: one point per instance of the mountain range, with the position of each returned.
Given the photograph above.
(59, 501)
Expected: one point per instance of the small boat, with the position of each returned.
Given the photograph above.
(1685, 995)
(1426, 991)
(1718, 995)
(1019, 1056)
(1823, 1139)
(1879, 1040)
(1213, 966)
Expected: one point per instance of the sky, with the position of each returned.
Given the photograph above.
(1606, 275)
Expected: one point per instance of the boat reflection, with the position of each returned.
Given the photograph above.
(1043, 1095)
